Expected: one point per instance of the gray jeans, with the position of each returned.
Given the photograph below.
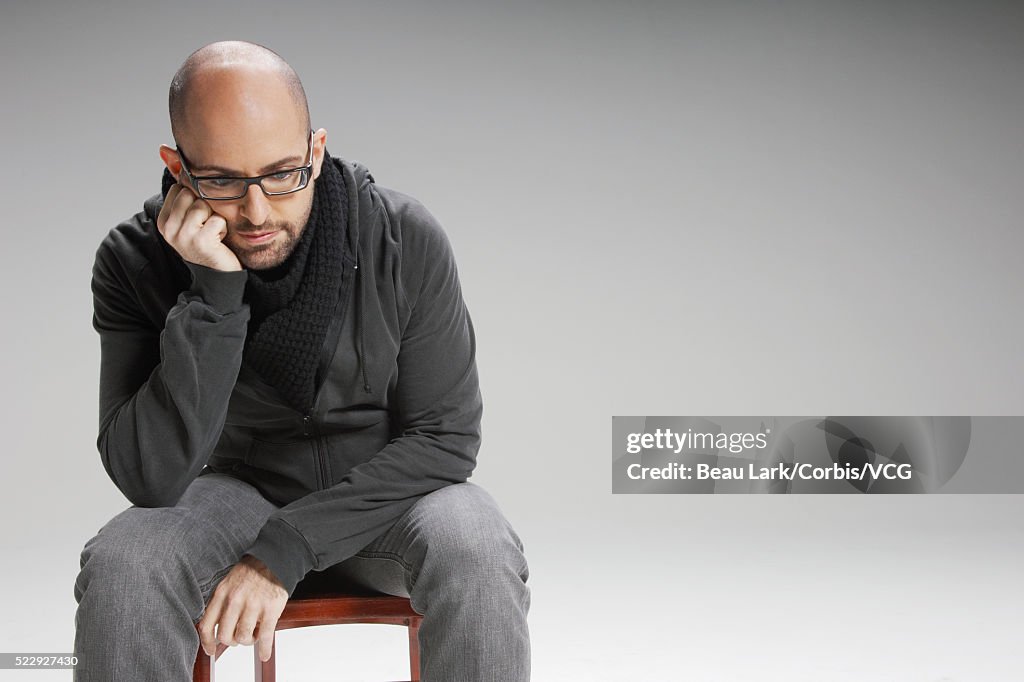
(147, 575)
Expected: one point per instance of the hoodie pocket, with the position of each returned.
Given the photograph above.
(284, 472)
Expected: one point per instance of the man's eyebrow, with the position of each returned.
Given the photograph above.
(294, 161)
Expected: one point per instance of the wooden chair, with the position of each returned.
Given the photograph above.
(304, 610)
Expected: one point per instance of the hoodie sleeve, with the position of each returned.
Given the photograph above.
(438, 406)
(164, 393)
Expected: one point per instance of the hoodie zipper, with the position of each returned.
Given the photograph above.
(309, 426)
(348, 276)
(309, 430)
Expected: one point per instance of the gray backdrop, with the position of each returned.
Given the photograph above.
(657, 208)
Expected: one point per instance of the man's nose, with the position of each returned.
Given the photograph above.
(255, 206)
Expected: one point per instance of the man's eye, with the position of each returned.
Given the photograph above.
(284, 175)
(220, 182)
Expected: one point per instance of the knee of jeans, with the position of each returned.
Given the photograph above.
(130, 553)
(479, 549)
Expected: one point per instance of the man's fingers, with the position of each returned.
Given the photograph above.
(265, 638)
(183, 239)
(246, 626)
(206, 625)
(228, 621)
(196, 231)
(166, 208)
(183, 200)
(216, 226)
(197, 213)
(243, 611)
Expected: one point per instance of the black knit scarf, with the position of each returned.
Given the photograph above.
(291, 304)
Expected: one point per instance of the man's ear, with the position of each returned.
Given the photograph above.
(171, 159)
(319, 149)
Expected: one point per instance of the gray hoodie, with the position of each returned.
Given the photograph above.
(177, 401)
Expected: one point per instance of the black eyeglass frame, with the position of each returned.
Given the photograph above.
(307, 172)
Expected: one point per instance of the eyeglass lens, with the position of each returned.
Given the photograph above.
(222, 188)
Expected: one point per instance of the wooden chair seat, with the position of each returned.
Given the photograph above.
(305, 610)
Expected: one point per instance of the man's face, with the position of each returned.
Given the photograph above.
(262, 231)
(242, 124)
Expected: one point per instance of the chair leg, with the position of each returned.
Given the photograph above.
(265, 672)
(203, 669)
(414, 649)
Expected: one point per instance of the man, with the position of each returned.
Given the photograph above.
(287, 384)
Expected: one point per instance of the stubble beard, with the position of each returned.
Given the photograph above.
(271, 254)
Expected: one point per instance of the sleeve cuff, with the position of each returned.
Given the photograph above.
(221, 289)
(284, 551)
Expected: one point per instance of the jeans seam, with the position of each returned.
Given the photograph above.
(217, 577)
(390, 556)
(208, 585)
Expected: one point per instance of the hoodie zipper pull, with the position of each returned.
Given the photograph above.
(305, 425)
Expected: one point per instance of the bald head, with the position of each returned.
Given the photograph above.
(234, 75)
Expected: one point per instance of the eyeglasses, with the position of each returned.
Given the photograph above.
(224, 188)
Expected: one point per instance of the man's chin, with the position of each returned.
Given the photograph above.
(261, 260)
(260, 256)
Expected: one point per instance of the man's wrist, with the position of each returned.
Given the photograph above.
(221, 289)
(257, 565)
(284, 551)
